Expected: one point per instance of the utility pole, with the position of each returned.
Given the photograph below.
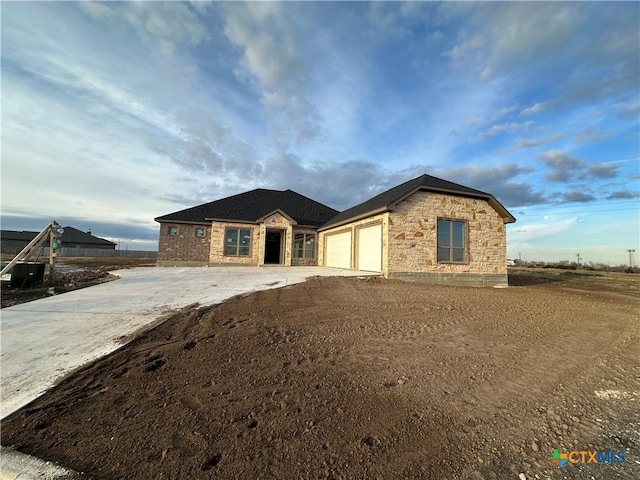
(631, 250)
(519, 257)
(578, 258)
(55, 232)
(52, 255)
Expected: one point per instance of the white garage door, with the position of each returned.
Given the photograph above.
(338, 248)
(370, 248)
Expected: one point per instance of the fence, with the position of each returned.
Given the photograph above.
(98, 252)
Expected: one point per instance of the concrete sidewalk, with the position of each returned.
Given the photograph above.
(46, 339)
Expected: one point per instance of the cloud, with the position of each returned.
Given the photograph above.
(498, 181)
(271, 53)
(340, 185)
(628, 110)
(513, 40)
(274, 62)
(567, 168)
(560, 160)
(98, 10)
(602, 171)
(494, 117)
(623, 195)
(521, 143)
(591, 135)
(164, 26)
(535, 108)
(576, 196)
(502, 128)
(13, 220)
(169, 105)
(391, 19)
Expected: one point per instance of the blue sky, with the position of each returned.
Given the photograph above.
(116, 113)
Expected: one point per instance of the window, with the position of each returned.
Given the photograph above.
(173, 230)
(237, 242)
(304, 245)
(199, 232)
(452, 242)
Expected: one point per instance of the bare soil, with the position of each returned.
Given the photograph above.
(361, 378)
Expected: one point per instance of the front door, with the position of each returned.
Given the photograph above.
(272, 247)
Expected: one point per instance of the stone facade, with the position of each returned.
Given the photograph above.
(412, 236)
(185, 247)
(277, 222)
(409, 240)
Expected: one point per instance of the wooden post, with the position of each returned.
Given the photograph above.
(52, 253)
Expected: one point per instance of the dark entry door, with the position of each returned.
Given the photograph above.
(272, 247)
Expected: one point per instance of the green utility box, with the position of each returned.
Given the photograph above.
(27, 274)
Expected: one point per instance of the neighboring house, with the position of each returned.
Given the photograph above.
(13, 241)
(426, 229)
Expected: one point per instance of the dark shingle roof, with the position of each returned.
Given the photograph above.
(71, 235)
(253, 205)
(388, 199)
(15, 235)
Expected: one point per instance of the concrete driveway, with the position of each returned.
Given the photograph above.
(46, 339)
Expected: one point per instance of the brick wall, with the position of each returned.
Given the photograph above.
(185, 248)
(413, 240)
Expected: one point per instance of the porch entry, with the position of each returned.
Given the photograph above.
(273, 247)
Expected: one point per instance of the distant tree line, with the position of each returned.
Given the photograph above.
(568, 265)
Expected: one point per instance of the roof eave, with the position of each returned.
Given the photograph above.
(191, 222)
(231, 220)
(370, 213)
(502, 211)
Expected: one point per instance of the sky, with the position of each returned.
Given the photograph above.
(119, 112)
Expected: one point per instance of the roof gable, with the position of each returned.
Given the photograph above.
(386, 200)
(254, 205)
(274, 215)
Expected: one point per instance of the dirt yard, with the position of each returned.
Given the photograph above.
(362, 379)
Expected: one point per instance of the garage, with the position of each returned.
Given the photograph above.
(369, 248)
(338, 250)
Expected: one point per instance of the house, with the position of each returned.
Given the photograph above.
(426, 229)
(252, 228)
(13, 241)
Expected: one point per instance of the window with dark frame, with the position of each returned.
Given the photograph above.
(173, 230)
(199, 232)
(304, 245)
(452, 241)
(237, 242)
